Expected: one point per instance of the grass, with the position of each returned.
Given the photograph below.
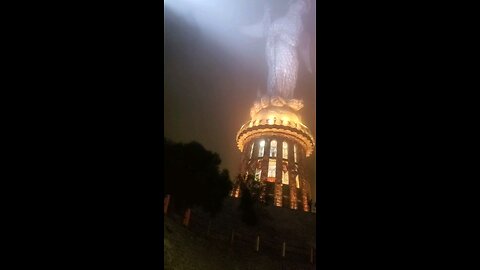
(185, 250)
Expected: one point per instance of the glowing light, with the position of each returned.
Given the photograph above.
(295, 152)
(285, 150)
(274, 119)
(261, 150)
(272, 168)
(285, 177)
(218, 21)
(273, 148)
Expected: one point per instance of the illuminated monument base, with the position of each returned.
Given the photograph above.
(275, 144)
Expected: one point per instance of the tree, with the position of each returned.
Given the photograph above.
(250, 191)
(193, 177)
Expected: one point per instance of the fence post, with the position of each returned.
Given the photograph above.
(166, 201)
(283, 249)
(258, 243)
(231, 239)
(186, 219)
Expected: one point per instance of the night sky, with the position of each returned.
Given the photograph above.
(213, 75)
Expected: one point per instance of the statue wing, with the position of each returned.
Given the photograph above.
(259, 29)
(305, 52)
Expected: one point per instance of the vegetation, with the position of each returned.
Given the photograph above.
(250, 191)
(184, 250)
(193, 177)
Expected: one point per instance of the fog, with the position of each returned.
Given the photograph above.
(213, 73)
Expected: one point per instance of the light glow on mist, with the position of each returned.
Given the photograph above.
(220, 21)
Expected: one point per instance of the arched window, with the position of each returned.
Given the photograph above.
(251, 150)
(273, 148)
(285, 177)
(285, 150)
(298, 181)
(295, 152)
(272, 169)
(261, 149)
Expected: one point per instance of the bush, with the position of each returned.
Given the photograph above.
(247, 203)
(193, 177)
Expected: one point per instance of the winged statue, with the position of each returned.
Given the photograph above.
(285, 39)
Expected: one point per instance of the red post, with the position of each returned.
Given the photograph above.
(186, 218)
(166, 201)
